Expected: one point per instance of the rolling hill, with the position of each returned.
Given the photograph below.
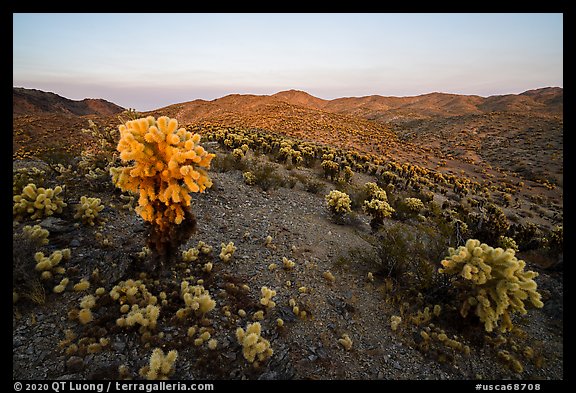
(32, 101)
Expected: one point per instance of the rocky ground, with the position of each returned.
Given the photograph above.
(304, 348)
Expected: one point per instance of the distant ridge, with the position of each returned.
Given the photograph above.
(543, 101)
(546, 101)
(32, 101)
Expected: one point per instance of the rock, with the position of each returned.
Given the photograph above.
(55, 225)
(230, 355)
(269, 376)
(119, 346)
(75, 364)
(74, 243)
(17, 341)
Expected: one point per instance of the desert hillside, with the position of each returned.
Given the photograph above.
(354, 238)
(37, 102)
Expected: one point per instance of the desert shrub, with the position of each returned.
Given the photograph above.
(313, 186)
(528, 236)
(96, 161)
(556, 240)
(426, 196)
(291, 181)
(491, 282)
(227, 162)
(408, 254)
(489, 224)
(24, 276)
(358, 194)
(266, 177)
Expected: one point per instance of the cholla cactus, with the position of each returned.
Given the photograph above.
(38, 202)
(346, 342)
(161, 366)
(36, 233)
(377, 204)
(507, 242)
(254, 347)
(338, 202)
(348, 173)
(375, 192)
(238, 154)
(227, 251)
(331, 169)
(378, 209)
(414, 205)
(267, 295)
(495, 282)
(196, 298)
(88, 209)
(163, 164)
(249, 178)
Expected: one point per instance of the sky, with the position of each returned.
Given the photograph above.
(148, 61)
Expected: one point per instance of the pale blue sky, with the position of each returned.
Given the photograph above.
(147, 61)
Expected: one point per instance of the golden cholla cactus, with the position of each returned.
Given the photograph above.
(499, 284)
(163, 165)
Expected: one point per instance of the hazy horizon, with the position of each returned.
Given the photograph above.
(148, 61)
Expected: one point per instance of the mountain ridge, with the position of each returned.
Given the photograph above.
(546, 101)
(33, 101)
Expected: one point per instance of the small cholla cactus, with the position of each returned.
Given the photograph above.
(338, 203)
(267, 295)
(414, 205)
(346, 342)
(38, 202)
(227, 251)
(507, 242)
(161, 366)
(254, 347)
(249, 178)
(88, 209)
